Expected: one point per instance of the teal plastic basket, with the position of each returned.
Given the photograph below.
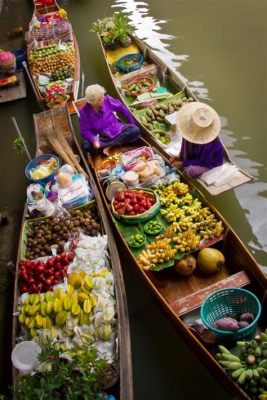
(231, 302)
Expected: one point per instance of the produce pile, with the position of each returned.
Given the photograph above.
(53, 59)
(247, 365)
(133, 202)
(189, 226)
(40, 276)
(153, 117)
(139, 85)
(85, 299)
(41, 234)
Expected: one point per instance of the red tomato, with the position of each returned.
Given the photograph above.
(28, 264)
(24, 276)
(34, 289)
(57, 266)
(71, 256)
(50, 262)
(40, 268)
(57, 275)
(48, 282)
(23, 288)
(42, 278)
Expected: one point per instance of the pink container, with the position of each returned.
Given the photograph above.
(7, 62)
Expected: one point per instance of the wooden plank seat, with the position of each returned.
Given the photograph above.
(194, 300)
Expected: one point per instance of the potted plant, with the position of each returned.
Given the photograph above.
(72, 375)
(114, 31)
(106, 29)
(123, 28)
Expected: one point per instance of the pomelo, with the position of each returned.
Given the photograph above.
(210, 260)
(185, 266)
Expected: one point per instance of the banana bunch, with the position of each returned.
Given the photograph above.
(45, 310)
(170, 194)
(212, 230)
(172, 213)
(249, 368)
(187, 241)
(157, 252)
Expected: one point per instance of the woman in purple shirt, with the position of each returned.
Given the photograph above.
(100, 128)
(199, 125)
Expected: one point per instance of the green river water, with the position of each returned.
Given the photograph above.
(218, 47)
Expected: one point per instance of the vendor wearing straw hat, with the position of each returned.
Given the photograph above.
(199, 125)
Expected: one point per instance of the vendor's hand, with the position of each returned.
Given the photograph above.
(96, 144)
(178, 164)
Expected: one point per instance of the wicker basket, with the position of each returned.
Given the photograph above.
(135, 219)
(139, 81)
(231, 302)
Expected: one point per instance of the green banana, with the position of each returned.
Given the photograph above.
(263, 364)
(231, 365)
(224, 350)
(261, 371)
(249, 374)
(242, 378)
(241, 344)
(236, 374)
(230, 357)
(256, 374)
(258, 351)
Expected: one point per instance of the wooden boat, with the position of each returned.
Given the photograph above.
(46, 122)
(59, 33)
(169, 84)
(13, 91)
(182, 297)
(42, 7)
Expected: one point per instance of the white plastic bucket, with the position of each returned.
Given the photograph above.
(25, 356)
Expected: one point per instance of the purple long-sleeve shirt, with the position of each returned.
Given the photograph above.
(207, 155)
(104, 121)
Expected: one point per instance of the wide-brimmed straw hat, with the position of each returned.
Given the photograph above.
(198, 123)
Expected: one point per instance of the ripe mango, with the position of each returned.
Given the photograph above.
(59, 294)
(75, 279)
(57, 306)
(49, 296)
(75, 309)
(43, 308)
(61, 318)
(87, 306)
(82, 297)
(49, 307)
(67, 303)
(39, 321)
(70, 289)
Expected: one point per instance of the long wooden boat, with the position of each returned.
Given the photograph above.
(45, 125)
(167, 91)
(181, 296)
(52, 53)
(14, 91)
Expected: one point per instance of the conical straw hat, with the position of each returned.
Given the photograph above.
(198, 123)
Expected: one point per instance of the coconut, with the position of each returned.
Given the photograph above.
(210, 260)
(185, 266)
